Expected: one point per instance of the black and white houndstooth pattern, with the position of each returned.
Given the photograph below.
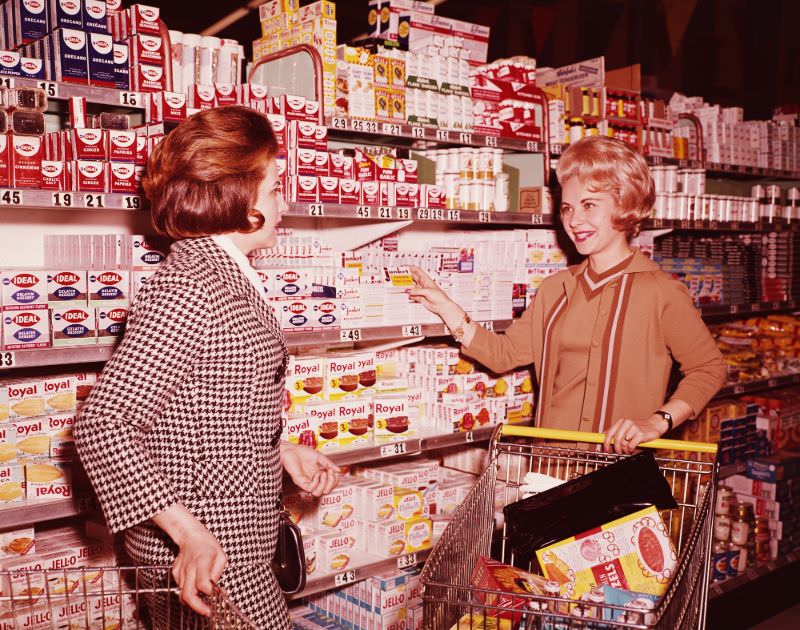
(188, 409)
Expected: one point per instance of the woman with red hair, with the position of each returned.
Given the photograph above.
(601, 335)
(181, 435)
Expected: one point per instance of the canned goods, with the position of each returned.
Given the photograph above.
(660, 209)
(501, 193)
(774, 194)
(758, 191)
(485, 164)
(739, 532)
(671, 179)
(724, 500)
(497, 161)
(719, 561)
(488, 195)
(722, 527)
(762, 552)
(751, 210)
(681, 210)
(745, 511)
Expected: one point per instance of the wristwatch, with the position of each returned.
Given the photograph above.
(458, 331)
(667, 416)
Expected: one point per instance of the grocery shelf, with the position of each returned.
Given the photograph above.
(750, 387)
(732, 469)
(340, 127)
(753, 573)
(128, 99)
(754, 308)
(55, 356)
(398, 213)
(777, 225)
(30, 512)
(68, 200)
(366, 565)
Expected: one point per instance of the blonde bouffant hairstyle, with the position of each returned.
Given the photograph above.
(605, 164)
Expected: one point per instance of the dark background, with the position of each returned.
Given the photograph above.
(732, 52)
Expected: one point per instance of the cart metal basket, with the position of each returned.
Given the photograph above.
(106, 598)
(448, 595)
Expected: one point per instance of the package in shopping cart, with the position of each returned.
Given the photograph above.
(634, 553)
(489, 574)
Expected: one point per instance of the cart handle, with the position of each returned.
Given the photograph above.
(598, 438)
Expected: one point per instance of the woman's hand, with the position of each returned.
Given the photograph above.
(627, 434)
(428, 293)
(310, 470)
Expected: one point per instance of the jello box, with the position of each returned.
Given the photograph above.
(376, 501)
(335, 551)
(349, 375)
(419, 534)
(337, 505)
(633, 552)
(355, 421)
(304, 381)
(386, 538)
(28, 328)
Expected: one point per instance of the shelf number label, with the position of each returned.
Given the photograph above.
(437, 214)
(738, 389)
(734, 309)
(454, 215)
(537, 219)
(50, 88)
(62, 199)
(755, 306)
(772, 382)
(443, 135)
(488, 325)
(465, 138)
(491, 141)
(350, 334)
(531, 146)
(316, 210)
(406, 561)
(130, 99)
(384, 212)
(390, 450)
(404, 214)
(131, 202)
(418, 132)
(423, 214)
(339, 123)
(365, 126)
(11, 198)
(342, 579)
(412, 330)
(484, 217)
(94, 201)
(6, 82)
(391, 129)
(469, 437)
(363, 212)
(7, 360)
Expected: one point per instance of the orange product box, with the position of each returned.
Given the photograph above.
(512, 582)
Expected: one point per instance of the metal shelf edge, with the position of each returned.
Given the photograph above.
(30, 512)
(720, 588)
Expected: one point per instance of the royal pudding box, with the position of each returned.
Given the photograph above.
(349, 375)
(304, 381)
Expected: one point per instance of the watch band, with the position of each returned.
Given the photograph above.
(458, 331)
(667, 416)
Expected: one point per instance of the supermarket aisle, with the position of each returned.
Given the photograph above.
(787, 619)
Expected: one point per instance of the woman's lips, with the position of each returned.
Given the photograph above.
(582, 236)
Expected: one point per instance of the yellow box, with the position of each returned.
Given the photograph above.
(8, 443)
(633, 552)
(419, 534)
(407, 504)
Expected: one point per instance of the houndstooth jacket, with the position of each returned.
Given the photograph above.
(188, 409)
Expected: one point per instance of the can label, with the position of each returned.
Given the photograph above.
(719, 563)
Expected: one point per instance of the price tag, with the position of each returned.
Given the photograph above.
(772, 382)
(738, 389)
(363, 212)
(391, 129)
(437, 214)
(469, 437)
(50, 88)
(61, 199)
(316, 210)
(350, 334)
(465, 138)
(132, 202)
(491, 141)
(130, 99)
(384, 212)
(658, 223)
(7, 360)
(454, 215)
(418, 132)
(734, 308)
(6, 82)
(531, 146)
(412, 330)
(537, 219)
(339, 123)
(484, 217)
(342, 579)
(423, 214)
(91, 200)
(488, 325)
(755, 307)
(443, 135)
(407, 561)
(390, 450)
(365, 126)
(404, 214)
(11, 198)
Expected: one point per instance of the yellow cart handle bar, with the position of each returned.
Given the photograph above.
(598, 438)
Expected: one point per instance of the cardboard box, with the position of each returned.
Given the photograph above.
(111, 323)
(100, 56)
(26, 153)
(28, 328)
(23, 288)
(122, 66)
(73, 325)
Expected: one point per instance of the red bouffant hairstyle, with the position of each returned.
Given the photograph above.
(609, 165)
(203, 178)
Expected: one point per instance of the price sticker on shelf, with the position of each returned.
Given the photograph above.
(412, 330)
(738, 389)
(406, 561)
(391, 129)
(91, 200)
(131, 202)
(350, 334)
(384, 212)
(537, 219)
(734, 309)
(465, 137)
(365, 126)
(339, 123)
(130, 99)
(488, 325)
(658, 223)
(773, 382)
(417, 131)
(404, 214)
(363, 212)
(423, 214)
(390, 450)
(61, 199)
(531, 146)
(491, 141)
(469, 437)
(7, 360)
(7, 82)
(316, 210)
(443, 135)
(11, 198)
(454, 215)
(484, 217)
(755, 306)
(437, 214)
(50, 88)
(342, 579)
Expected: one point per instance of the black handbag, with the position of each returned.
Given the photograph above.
(289, 563)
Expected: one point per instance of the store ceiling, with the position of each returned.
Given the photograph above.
(732, 52)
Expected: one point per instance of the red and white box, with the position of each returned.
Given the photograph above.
(121, 145)
(22, 288)
(371, 193)
(142, 18)
(322, 163)
(147, 78)
(254, 96)
(26, 329)
(408, 170)
(9, 63)
(432, 196)
(341, 166)
(406, 194)
(312, 111)
(302, 134)
(388, 195)
(278, 123)
(122, 178)
(26, 154)
(5, 162)
(329, 189)
(302, 161)
(88, 144)
(90, 176)
(73, 325)
(166, 106)
(321, 138)
(55, 175)
(141, 149)
(226, 94)
(110, 287)
(349, 191)
(293, 107)
(147, 49)
(304, 188)
(66, 287)
(202, 97)
(111, 322)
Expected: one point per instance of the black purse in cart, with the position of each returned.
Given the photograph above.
(289, 563)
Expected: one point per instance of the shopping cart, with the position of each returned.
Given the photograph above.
(448, 594)
(106, 598)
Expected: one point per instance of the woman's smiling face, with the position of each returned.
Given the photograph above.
(587, 216)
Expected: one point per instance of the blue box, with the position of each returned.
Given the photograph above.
(65, 14)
